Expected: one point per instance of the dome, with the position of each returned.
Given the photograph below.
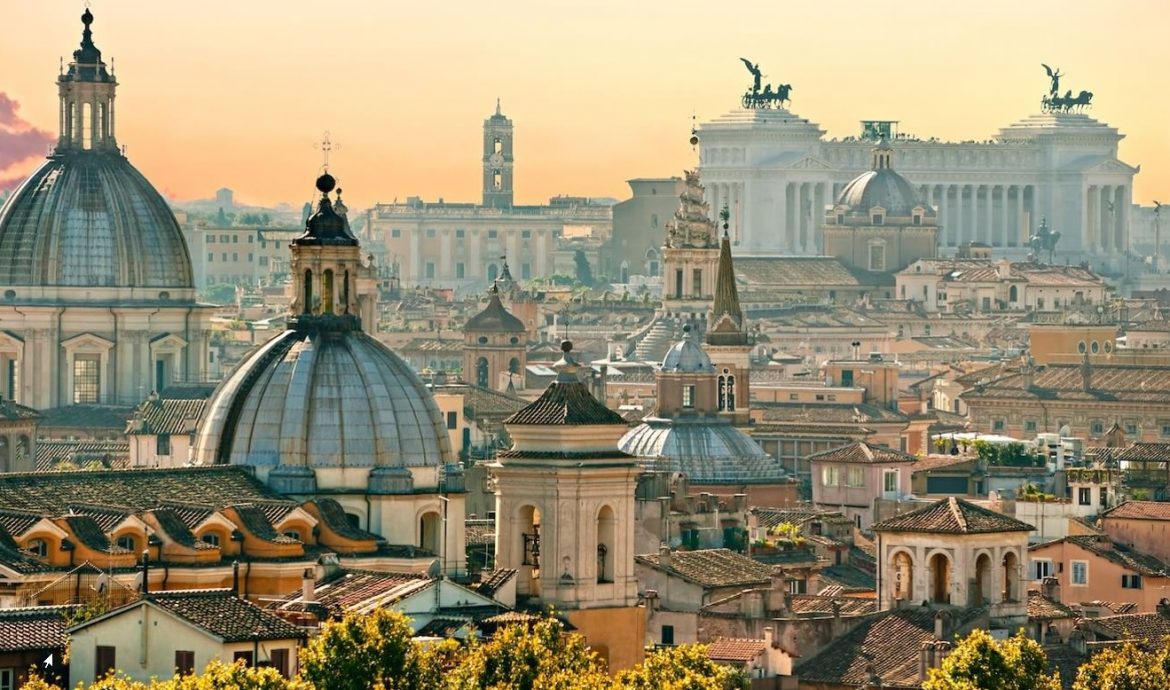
(707, 451)
(311, 400)
(494, 318)
(87, 218)
(882, 187)
(686, 356)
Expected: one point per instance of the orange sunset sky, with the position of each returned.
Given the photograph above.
(234, 93)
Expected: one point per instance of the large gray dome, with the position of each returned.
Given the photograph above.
(306, 401)
(707, 451)
(87, 218)
(885, 188)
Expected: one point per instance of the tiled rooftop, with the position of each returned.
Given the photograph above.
(862, 453)
(952, 516)
(712, 567)
(34, 629)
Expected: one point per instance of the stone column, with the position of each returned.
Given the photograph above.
(781, 221)
(446, 269)
(1004, 233)
(960, 229)
(475, 268)
(1106, 234)
(791, 214)
(415, 274)
(1122, 203)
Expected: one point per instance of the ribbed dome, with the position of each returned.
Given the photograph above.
(881, 187)
(87, 218)
(307, 401)
(707, 451)
(686, 356)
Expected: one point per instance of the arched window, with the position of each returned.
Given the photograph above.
(481, 372)
(308, 288)
(38, 548)
(327, 291)
(1010, 575)
(625, 273)
(940, 579)
(345, 293)
(982, 580)
(528, 542)
(731, 394)
(1013, 294)
(605, 544)
(514, 365)
(128, 542)
(5, 455)
(722, 392)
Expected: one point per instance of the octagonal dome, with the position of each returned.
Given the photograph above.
(87, 218)
(307, 400)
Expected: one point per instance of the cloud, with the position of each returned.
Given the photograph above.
(20, 140)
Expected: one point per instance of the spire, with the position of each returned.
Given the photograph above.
(727, 327)
(87, 62)
(87, 120)
(498, 113)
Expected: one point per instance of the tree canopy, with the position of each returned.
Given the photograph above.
(980, 662)
(1125, 668)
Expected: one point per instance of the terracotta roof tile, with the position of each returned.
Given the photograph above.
(34, 629)
(223, 614)
(351, 588)
(887, 645)
(862, 453)
(1139, 510)
(1127, 558)
(1148, 629)
(735, 650)
(712, 567)
(952, 516)
(846, 606)
(1042, 608)
(162, 416)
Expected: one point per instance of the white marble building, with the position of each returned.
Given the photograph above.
(777, 173)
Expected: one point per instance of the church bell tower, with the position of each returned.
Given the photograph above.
(497, 160)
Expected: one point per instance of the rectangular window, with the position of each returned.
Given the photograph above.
(1030, 425)
(235, 256)
(1041, 568)
(430, 233)
(223, 239)
(279, 660)
(890, 481)
(525, 234)
(492, 234)
(209, 239)
(1131, 428)
(847, 378)
(452, 420)
(678, 292)
(1131, 581)
(688, 400)
(163, 444)
(395, 233)
(697, 282)
(184, 662)
(997, 425)
(668, 634)
(830, 475)
(250, 257)
(246, 657)
(223, 256)
(459, 234)
(459, 270)
(87, 379)
(1097, 428)
(856, 477)
(251, 239)
(210, 257)
(1085, 496)
(525, 271)
(1166, 431)
(1080, 572)
(430, 269)
(105, 660)
(235, 239)
(794, 396)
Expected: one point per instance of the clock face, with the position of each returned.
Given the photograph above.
(496, 159)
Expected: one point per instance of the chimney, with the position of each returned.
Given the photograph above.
(931, 655)
(1164, 607)
(146, 572)
(308, 586)
(739, 502)
(768, 641)
(236, 578)
(1086, 374)
(664, 556)
(1050, 587)
(940, 625)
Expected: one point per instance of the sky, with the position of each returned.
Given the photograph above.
(236, 93)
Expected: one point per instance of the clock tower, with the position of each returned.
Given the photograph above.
(497, 160)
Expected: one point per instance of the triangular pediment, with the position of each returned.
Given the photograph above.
(1110, 165)
(87, 340)
(811, 163)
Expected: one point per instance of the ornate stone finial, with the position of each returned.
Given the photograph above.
(686, 332)
(566, 345)
(326, 183)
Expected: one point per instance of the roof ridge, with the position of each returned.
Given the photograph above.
(958, 513)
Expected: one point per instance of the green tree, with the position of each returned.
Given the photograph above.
(542, 657)
(368, 652)
(980, 662)
(1125, 668)
(584, 270)
(680, 668)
